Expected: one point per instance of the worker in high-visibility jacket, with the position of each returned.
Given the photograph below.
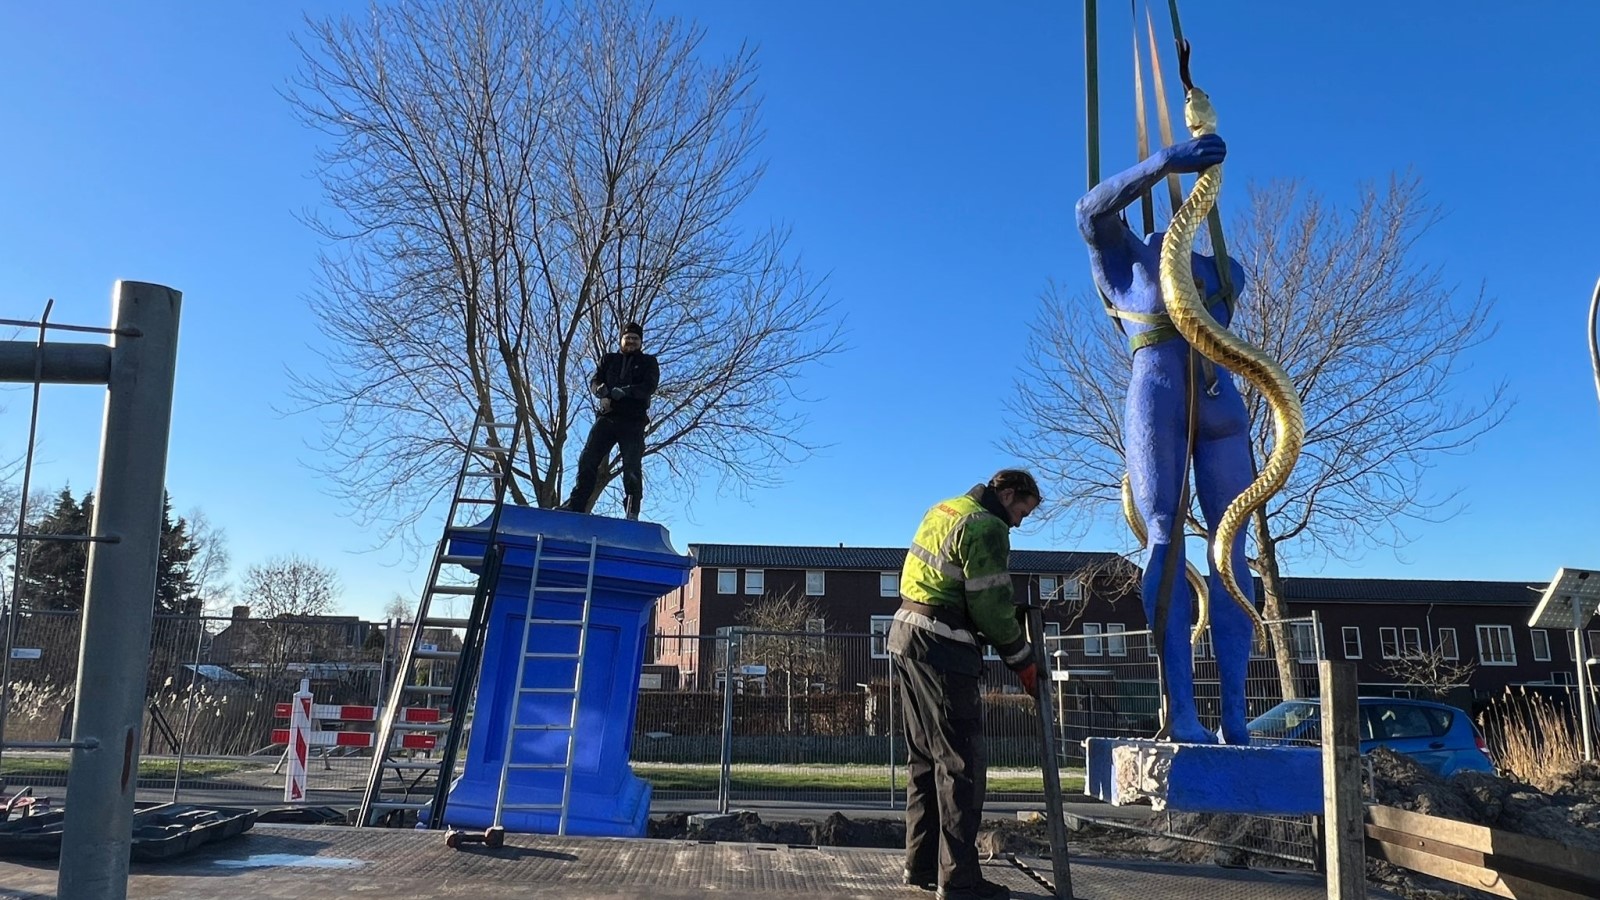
(955, 592)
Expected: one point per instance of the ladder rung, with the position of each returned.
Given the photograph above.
(432, 622)
(562, 590)
(411, 764)
(537, 766)
(574, 623)
(482, 501)
(541, 727)
(497, 425)
(567, 691)
(470, 529)
(458, 559)
(486, 473)
(435, 690)
(550, 655)
(531, 806)
(492, 451)
(400, 804)
(438, 654)
(459, 590)
(422, 726)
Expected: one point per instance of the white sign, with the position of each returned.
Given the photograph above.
(26, 652)
(429, 648)
(650, 681)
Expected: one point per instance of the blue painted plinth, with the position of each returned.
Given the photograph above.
(1211, 778)
(635, 565)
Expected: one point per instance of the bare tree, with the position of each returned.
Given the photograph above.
(780, 634)
(285, 593)
(1372, 338)
(512, 182)
(209, 567)
(1431, 672)
(290, 586)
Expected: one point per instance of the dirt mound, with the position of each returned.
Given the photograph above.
(837, 830)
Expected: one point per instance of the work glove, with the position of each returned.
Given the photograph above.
(618, 393)
(1029, 676)
(600, 390)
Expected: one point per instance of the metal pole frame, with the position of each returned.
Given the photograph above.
(138, 369)
(725, 777)
(1050, 761)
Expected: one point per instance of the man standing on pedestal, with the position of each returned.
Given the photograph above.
(624, 383)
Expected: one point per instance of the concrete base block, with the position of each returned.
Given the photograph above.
(1213, 778)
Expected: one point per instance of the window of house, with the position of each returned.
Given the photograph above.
(1562, 678)
(1495, 646)
(1091, 639)
(1352, 642)
(816, 626)
(1389, 642)
(1401, 692)
(1202, 647)
(755, 581)
(1069, 589)
(1305, 642)
(1116, 644)
(1594, 643)
(1541, 644)
(1411, 642)
(989, 652)
(815, 583)
(879, 629)
(1048, 586)
(727, 581)
(1052, 629)
(1258, 645)
(888, 584)
(1448, 648)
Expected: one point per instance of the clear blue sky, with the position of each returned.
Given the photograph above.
(927, 156)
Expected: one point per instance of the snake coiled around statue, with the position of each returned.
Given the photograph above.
(1197, 582)
(1195, 323)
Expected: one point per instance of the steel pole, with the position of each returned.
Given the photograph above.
(120, 598)
(725, 777)
(1578, 616)
(1049, 762)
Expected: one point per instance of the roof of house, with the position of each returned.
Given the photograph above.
(1407, 590)
(886, 559)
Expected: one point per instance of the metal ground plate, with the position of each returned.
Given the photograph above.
(301, 861)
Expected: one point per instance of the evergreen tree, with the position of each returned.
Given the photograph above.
(176, 590)
(54, 571)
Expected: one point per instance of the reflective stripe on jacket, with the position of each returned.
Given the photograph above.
(960, 561)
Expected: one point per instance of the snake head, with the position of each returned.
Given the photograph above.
(1198, 113)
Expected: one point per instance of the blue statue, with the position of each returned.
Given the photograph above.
(1179, 408)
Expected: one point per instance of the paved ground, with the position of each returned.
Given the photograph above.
(292, 861)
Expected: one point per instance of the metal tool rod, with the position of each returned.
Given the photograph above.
(120, 599)
(1050, 761)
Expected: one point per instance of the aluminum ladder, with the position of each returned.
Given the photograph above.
(544, 555)
(399, 783)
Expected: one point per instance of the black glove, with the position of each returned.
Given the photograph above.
(618, 393)
(599, 390)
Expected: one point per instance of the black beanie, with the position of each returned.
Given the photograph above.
(633, 328)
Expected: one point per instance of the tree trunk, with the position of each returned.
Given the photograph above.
(1273, 607)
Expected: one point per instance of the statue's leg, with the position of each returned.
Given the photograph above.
(1222, 472)
(1156, 430)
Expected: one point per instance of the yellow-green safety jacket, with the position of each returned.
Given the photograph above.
(959, 565)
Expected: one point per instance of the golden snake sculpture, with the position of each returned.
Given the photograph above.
(1197, 581)
(1206, 335)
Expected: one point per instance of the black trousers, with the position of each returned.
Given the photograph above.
(947, 771)
(608, 432)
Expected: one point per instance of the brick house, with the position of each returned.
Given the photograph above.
(857, 590)
(1374, 622)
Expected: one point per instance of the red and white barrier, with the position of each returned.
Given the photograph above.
(299, 736)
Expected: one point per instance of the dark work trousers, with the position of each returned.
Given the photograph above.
(946, 770)
(608, 432)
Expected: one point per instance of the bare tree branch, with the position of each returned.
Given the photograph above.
(510, 182)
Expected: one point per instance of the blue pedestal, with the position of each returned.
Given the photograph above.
(1210, 778)
(635, 565)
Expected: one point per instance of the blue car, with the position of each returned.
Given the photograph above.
(1440, 737)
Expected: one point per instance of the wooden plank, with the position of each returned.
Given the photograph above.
(1505, 846)
(1344, 848)
(1468, 875)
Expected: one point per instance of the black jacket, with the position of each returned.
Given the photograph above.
(636, 373)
